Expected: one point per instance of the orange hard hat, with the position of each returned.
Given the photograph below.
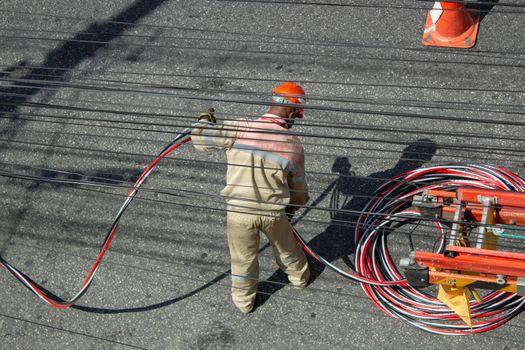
(289, 92)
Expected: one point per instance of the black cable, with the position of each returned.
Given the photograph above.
(115, 342)
(202, 76)
(152, 114)
(309, 153)
(197, 279)
(280, 41)
(429, 155)
(306, 107)
(422, 233)
(339, 223)
(480, 2)
(334, 222)
(117, 184)
(372, 6)
(353, 127)
(186, 265)
(456, 146)
(305, 123)
(55, 85)
(192, 194)
(328, 108)
(262, 52)
(32, 143)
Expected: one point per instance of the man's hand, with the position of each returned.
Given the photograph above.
(208, 115)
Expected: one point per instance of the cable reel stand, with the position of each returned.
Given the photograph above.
(471, 259)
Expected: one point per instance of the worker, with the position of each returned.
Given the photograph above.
(265, 183)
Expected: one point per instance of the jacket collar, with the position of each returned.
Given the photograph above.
(274, 119)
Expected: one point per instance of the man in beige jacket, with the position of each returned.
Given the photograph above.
(265, 178)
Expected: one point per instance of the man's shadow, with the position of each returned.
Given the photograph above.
(337, 241)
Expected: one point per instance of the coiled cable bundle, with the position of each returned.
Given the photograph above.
(390, 207)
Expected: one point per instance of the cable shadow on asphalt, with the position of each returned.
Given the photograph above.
(337, 241)
(109, 176)
(162, 304)
(484, 8)
(65, 57)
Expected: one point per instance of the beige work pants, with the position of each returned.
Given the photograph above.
(243, 241)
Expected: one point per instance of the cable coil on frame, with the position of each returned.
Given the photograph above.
(392, 203)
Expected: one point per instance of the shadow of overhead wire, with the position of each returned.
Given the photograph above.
(483, 8)
(102, 176)
(68, 55)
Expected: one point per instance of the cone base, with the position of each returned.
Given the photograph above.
(465, 40)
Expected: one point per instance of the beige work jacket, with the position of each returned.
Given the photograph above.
(265, 163)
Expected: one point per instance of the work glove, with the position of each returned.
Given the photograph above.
(208, 115)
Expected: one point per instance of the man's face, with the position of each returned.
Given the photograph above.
(297, 113)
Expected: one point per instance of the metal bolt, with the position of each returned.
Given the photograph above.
(501, 279)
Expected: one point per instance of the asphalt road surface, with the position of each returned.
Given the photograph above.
(91, 91)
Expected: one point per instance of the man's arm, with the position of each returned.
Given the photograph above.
(208, 135)
(298, 186)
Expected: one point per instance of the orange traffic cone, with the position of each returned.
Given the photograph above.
(450, 24)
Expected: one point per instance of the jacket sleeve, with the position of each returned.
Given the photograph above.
(208, 136)
(297, 184)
